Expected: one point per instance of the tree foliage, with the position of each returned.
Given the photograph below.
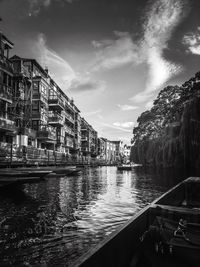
(167, 108)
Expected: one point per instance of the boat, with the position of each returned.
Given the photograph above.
(124, 167)
(11, 173)
(53, 171)
(66, 171)
(165, 233)
(9, 176)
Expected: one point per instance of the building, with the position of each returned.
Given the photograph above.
(89, 141)
(119, 151)
(8, 129)
(102, 150)
(127, 152)
(108, 151)
(39, 122)
(77, 139)
(52, 114)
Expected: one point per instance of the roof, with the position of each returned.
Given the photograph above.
(6, 41)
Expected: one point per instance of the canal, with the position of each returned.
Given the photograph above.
(53, 222)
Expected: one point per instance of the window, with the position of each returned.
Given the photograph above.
(9, 80)
(35, 125)
(5, 78)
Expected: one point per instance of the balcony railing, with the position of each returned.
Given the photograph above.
(69, 143)
(21, 71)
(77, 144)
(60, 140)
(5, 63)
(56, 103)
(85, 149)
(5, 93)
(55, 120)
(84, 139)
(7, 125)
(28, 131)
(47, 134)
(69, 131)
(69, 118)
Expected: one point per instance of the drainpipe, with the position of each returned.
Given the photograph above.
(11, 151)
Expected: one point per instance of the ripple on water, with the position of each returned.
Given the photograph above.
(53, 222)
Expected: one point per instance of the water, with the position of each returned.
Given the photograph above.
(53, 222)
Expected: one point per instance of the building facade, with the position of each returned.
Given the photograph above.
(39, 122)
(89, 142)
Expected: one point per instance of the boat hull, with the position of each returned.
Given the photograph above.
(121, 247)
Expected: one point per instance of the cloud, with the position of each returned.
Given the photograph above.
(127, 124)
(35, 6)
(142, 96)
(60, 70)
(161, 19)
(116, 127)
(114, 53)
(192, 41)
(163, 16)
(83, 84)
(94, 112)
(127, 107)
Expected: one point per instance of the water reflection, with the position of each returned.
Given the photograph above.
(53, 222)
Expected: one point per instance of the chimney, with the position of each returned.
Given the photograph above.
(46, 70)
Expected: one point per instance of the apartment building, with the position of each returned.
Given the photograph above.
(53, 115)
(119, 151)
(127, 152)
(110, 152)
(77, 140)
(37, 116)
(89, 141)
(7, 123)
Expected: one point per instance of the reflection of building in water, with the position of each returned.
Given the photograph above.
(30, 218)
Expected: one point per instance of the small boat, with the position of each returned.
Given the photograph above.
(11, 173)
(165, 233)
(124, 167)
(66, 171)
(10, 176)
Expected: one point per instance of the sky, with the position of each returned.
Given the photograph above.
(111, 56)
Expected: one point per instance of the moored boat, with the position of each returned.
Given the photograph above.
(9, 176)
(7, 173)
(66, 171)
(165, 233)
(124, 167)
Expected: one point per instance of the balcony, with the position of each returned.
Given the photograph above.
(85, 150)
(55, 120)
(28, 131)
(35, 115)
(77, 145)
(69, 118)
(8, 126)
(47, 135)
(55, 103)
(60, 140)
(84, 139)
(21, 71)
(6, 93)
(5, 64)
(69, 143)
(69, 131)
